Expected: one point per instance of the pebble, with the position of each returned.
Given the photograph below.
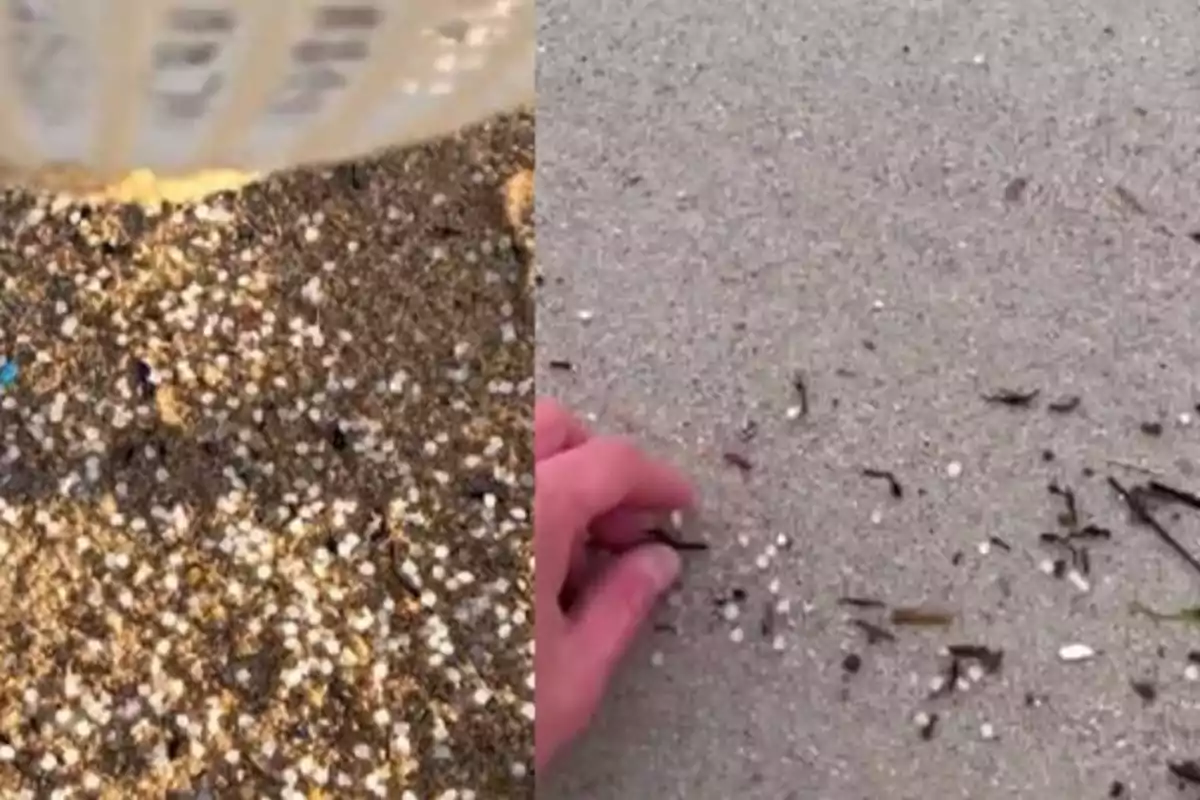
(954, 469)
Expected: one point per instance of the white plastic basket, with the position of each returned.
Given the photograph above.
(91, 90)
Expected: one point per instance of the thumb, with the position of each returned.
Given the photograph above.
(613, 611)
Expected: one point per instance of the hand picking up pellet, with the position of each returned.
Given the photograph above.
(600, 567)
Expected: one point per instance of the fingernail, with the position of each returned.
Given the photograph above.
(660, 564)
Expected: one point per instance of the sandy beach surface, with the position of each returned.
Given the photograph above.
(926, 210)
(265, 485)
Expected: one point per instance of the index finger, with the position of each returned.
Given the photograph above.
(555, 429)
(602, 475)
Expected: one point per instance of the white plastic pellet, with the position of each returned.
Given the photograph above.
(1075, 652)
(1078, 581)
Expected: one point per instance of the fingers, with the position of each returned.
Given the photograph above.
(585, 483)
(586, 567)
(605, 474)
(614, 610)
(625, 527)
(555, 430)
(614, 532)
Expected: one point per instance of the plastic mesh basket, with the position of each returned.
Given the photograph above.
(92, 90)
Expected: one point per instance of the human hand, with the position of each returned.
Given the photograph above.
(591, 493)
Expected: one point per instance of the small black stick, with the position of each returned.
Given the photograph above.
(801, 388)
(1071, 520)
(882, 474)
(861, 602)
(1012, 397)
(1065, 405)
(737, 460)
(1055, 539)
(662, 537)
(1138, 509)
(1091, 532)
(991, 660)
(949, 678)
(1083, 561)
(998, 542)
(1186, 771)
(875, 633)
(1178, 495)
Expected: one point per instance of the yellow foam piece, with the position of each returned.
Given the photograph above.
(145, 188)
(140, 186)
(518, 198)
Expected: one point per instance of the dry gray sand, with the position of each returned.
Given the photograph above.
(265, 486)
(916, 203)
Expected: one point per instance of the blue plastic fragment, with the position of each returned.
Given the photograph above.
(8, 373)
